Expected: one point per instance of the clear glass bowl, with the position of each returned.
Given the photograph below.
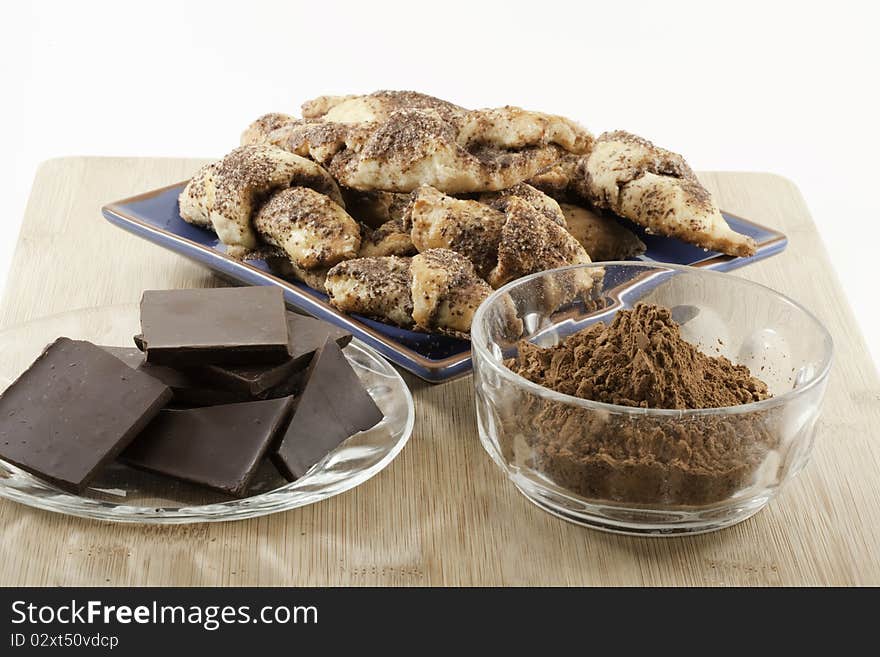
(650, 471)
(123, 494)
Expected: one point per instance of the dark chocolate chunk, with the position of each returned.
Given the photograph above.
(215, 326)
(333, 407)
(306, 336)
(73, 410)
(217, 446)
(188, 390)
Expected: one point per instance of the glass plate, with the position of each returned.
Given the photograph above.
(124, 494)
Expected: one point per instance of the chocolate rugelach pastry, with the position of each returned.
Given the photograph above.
(435, 291)
(398, 140)
(220, 447)
(333, 407)
(506, 235)
(362, 183)
(73, 410)
(602, 236)
(215, 326)
(260, 194)
(657, 189)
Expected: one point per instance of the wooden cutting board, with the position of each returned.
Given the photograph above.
(442, 513)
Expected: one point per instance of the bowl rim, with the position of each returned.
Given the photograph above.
(481, 351)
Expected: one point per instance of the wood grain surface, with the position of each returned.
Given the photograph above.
(442, 513)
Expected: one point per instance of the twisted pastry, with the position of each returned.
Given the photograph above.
(281, 265)
(657, 189)
(263, 194)
(556, 180)
(376, 208)
(316, 139)
(436, 291)
(601, 236)
(531, 243)
(535, 198)
(311, 229)
(376, 107)
(319, 132)
(468, 227)
(648, 185)
(257, 131)
(418, 259)
(445, 291)
(391, 238)
(525, 236)
(375, 287)
(397, 141)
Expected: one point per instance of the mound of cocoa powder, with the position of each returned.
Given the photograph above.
(640, 360)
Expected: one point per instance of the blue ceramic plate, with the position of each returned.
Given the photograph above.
(154, 216)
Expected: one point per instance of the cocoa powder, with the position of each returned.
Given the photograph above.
(639, 360)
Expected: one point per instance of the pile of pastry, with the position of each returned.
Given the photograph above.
(410, 209)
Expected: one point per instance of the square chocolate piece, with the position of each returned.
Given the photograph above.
(188, 390)
(220, 447)
(215, 326)
(333, 407)
(307, 334)
(73, 410)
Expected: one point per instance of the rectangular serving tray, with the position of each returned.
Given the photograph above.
(154, 216)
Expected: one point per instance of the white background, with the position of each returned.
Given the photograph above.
(790, 88)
